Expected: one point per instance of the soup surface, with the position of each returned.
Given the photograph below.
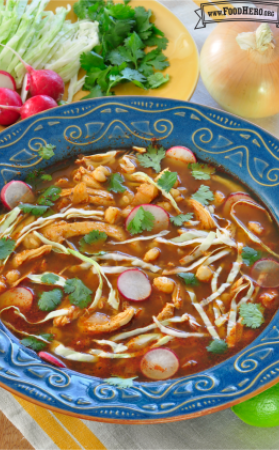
(140, 263)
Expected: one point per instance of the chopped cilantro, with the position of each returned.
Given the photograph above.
(50, 278)
(7, 246)
(80, 295)
(35, 344)
(49, 196)
(203, 195)
(120, 382)
(46, 177)
(201, 171)
(115, 183)
(181, 218)
(167, 180)
(217, 346)
(189, 278)
(35, 210)
(124, 35)
(157, 79)
(152, 158)
(47, 152)
(94, 237)
(50, 300)
(250, 255)
(142, 221)
(252, 314)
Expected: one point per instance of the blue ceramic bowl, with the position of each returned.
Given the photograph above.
(245, 151)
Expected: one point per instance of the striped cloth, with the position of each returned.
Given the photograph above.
(47, 430)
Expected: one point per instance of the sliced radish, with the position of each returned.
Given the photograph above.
(159, 364)
(10, 99)
(25, 87)
(16, 192)
(234, 198)
(7, 81)
(182, 154)
(134, 285)
(21, 297)
(161, 216)
(265, 272)
(51, 359)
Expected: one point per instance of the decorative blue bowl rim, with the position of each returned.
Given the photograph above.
(242, 149)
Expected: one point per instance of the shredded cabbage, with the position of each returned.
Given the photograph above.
(141, 238)
(51, 315)
(117, 348)
(233, 309)
(9, 221)
(215, 279)
(203, 315)
(24, 333)
(123, 257)
(73, 355)
(38, 279)
(175, 333)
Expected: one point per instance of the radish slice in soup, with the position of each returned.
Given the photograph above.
(159, 364)
(266, 273)
(7, 81)
(20, 296)
(160, 215)
(51, 359)
(182, 154)
(234, 198)
(134, 285)
(16, 192)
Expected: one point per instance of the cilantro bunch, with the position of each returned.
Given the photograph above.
(124, 34)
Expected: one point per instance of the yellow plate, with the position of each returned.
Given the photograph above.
(181, 51)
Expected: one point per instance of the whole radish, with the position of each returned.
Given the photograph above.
(42, 82)
(32, 106)
(9, 98)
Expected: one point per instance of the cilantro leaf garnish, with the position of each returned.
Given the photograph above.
(181, 218)
(35, 210)
(189, 278)
(46, 177)
(157, 79)
(152, 158)
(252, 314)
(120, 382)
(94, 237)
(80, 295)
(50, 300)
(35, 344)
(142, 221)
(47, 152)
(203, 195)
(7, 246)
(201, 171)
(217, 346)
(115, 183)
(49, 196)
(250, 255)
(167, 180)
(50, 278)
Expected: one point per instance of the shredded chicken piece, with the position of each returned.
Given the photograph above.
(145, 194)
(204, 216)
(167, 312)
(86, 177)
(176, 296)
(29, 255)
(79, 193)
(267, 298)
(113, 324)
(60, 231)
(235, 335)
(164, 284)
(73, 313)
(127, 164)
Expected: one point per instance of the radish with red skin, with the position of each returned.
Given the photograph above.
(134, 285)
(21, 297)
(16, 192)
(43, 82)
(159, 364)
(161, 216)
(181, 154)
(9, 98)
(7, 81)
(52, 360)
(265, 272)
(234, 198)
(32, 106)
